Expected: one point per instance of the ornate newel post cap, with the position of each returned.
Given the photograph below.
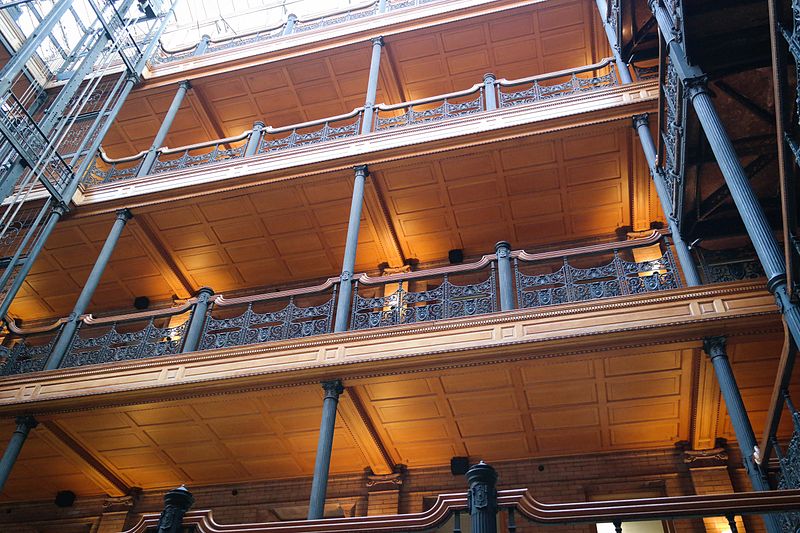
(179, 497)
(482, 473)
(205, 291)
(502, 245)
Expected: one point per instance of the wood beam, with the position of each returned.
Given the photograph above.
(706, 404)
(379, 219)
(141, 229)
(56, 436)
(354, 417)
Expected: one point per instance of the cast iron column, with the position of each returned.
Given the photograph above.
(24, 425)
(176, 503)
(641, 125)
(482, 498)
(71, 325)
(158, 141)
(319, 485)
(489, 93)
(715, 349)
(503, 251)
(254, 140)
(346, 284)
(197, 320)
(372, 84)
(289, 27)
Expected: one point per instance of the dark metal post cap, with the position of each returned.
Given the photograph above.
(179, 497)
(482, 473)
(502, 244)
(488, 77)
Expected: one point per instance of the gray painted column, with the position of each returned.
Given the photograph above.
(289, 27)
(176, 503)
(197, 320)
(158, 141)
(202, 46)
(714, 347)
(255, 138)
(24, 425)
(381, 6)
(349, 262)
(641, 125)
(372, 84)
(488, 91)
(482, 498)
(71, 326)
(9, 72)
(319, 485)
(503, 251)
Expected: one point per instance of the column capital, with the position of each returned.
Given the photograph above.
(502, 249)
(482, 495)
(26, 422)
(377, 40)
(695, 86)
(641, 119)
(205, 38)
(361, 170)
(332, 388)
(258, 125)
(715, 347)
(489, 77)
(291, 16)
(124, 214)
(204, 293)
(185, 85)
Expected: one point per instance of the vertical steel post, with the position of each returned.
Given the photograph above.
(202, 46)
(71, 325)
(503, 251)
(319, 485)
(24, 425)
(489, 93)
(349, 262)
(289, 27)
(254, 141)
(197, 320)
(176, 503)
(482, 498)
(714, 347)
(641, 125)
(9, 72)
(158, 141)
(372, 84)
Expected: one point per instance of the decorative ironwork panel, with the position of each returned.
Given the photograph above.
(721, 266)
(325, 133)
(331, 20)
(443, 111)
(186, 160)
(673, 135)
(538, 92)
(113, 173)
(403, 307)
(250, 327)
(790, 473)
(111, 346)
(23, 358)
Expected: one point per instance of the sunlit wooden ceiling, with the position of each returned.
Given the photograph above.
(541, 38)
(535, 192)
(607, 401)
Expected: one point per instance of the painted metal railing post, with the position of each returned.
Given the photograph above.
(482, 498)
(372, 84)
(255, 138)
(202, 46)
(176, 503)
(197, 320)
(319, 484)
(641, 124)
(158, 141)
(71, 325)
(289, 27)
(503, 251)
(489, 94)
(714, 347)
(348, 264)
(24, 425)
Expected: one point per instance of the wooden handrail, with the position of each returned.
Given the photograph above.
(520, 499)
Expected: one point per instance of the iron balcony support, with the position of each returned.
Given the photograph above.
(176, 504)
(197, 320)
(255, 138)
(489, 94)
(611, 35)
(482, 498)
(289, 27)
(24, 425)
(166, 124)
(349, 262)
(319, 484)
(503, 251)
(372, 84)
(71, 326)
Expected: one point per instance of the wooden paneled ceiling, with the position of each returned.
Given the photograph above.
(535, 192)
(637, 398)
(541, 38)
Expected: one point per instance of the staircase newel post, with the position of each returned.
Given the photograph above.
(482, 498)
(176, 503)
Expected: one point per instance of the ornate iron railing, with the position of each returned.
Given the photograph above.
(265, 139)
(562, 83)
(424, 296)
(581, 275)
(286, 315)
(338, 17)
(789, 461)
(720, 266)
(313, 132)
(457, 291)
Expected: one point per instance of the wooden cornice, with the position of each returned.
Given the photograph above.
(566, 113)
(684, 315)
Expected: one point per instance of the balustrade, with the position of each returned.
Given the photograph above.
(789, 461)
(720, 266)
(481, 97)
(457, 291)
